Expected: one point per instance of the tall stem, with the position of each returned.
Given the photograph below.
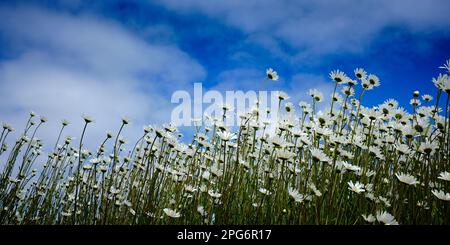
(77, 175)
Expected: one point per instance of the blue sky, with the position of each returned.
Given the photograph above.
(125, 58)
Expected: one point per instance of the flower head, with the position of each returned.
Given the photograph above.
(369, 218)
(214, 194)
(360, 73)
(446, 66)
(271, 74)
(338, 76)
(319, 155)
(295, 195)
(265, 191)
(282, 95)
(285, 155)
(407, 179)
(441, 195)
(125, 120)
(171, 213)
(289, 107)
(356, 187)
(226, 136)
(444, 176)
(316, 95)
(65, 122)
(386, 218)
(87, 119)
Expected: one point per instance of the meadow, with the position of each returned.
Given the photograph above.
(347, 165)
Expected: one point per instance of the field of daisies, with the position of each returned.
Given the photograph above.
(349, 164)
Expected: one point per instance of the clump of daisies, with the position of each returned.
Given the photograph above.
(340, 162)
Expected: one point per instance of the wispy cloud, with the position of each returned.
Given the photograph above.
(319, 27)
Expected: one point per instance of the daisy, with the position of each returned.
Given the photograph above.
(87, 119)
(366, 84)
(216, 171)
(428, 147)
(285, 155)
(294, 194)
(338, 76)
(402, 149)
(318, 155)
(282, 95)
(125, 120)
(373, 80)
(8, 127)
(109, 135)
(441, 195)
(226, 136)
(277, 141)
(369, 218)
(386, 218)
(356, 187)
(265, 191)
(360, 73)
(407, 179)
(444, 176)
(214, 194)
(190, 188)
(171, 213)
(316, 95)
(446, 66)
(350, 167)
(289, 107)
(271, 74)
(348, 91)
(304, 105)
(65, 122)
(170, 128)
(202, 211)
(414, 102)
(336, 97)
(351, 82)
(442, 82)
(313, 187)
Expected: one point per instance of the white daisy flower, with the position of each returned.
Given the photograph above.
(214, 194)
(171, 213)
(386, 218)
(295, 195)
(444, 176)
(338, 76)
(446, 65)
(202, 211)
(271, 74)
(369, 218)
(316, 95)
(87, 119)
(281, 95)
(407, 179)
(441, 195)
(356, 187)
(360, 73)
(226, 136)
(265, 191)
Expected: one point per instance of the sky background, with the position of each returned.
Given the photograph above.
(109, 59)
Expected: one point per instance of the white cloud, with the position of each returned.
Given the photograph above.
(66, 65)
(320, 26)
